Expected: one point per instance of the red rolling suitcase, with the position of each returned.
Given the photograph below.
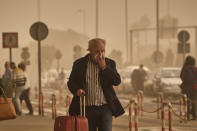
(72, 123)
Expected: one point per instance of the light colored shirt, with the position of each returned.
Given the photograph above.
(8, 74)
(27, 83)
(94, 94)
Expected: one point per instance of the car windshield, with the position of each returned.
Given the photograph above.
(170, 73)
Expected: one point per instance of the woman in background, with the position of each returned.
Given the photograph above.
(189, 84)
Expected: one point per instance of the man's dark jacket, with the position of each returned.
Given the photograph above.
(108, 78)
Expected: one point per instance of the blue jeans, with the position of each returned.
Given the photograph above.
(99, 117)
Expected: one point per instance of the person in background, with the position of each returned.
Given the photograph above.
(138, 77)
(19, 84)
(26, 92)
(95, 75)
(189, 84)
(7, 80)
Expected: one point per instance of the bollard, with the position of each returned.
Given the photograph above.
(36, 92)
(170, 116)
(41, 105)
(68, 101)
(163, 118)
(136, 116)
(158, 106)
(159, 101)
(181, 114)
(185, 106)
(130, 115)
(141, 102)
(161, 98)
(138, 101)
(53, 106)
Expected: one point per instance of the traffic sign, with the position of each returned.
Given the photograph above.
(157, 57)
(25, 54)
(39, 31)
(10, 39)
(183, 36)
(183, 48)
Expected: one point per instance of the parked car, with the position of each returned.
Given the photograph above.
(167, 80)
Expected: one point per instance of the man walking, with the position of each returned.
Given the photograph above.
(26, 92)
(19, 83)
(95, 76)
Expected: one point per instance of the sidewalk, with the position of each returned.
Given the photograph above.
(37, 123)
(28, 123)
(148, 122)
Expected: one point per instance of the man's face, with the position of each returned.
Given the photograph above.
(97, 50)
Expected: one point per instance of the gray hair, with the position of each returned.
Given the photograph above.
(94, 41)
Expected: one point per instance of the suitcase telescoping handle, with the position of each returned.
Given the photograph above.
(82, 105)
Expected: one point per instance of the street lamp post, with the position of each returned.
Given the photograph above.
(97, 18)
(126, 31)
(157, 29)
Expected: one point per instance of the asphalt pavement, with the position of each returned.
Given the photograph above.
(28, 123)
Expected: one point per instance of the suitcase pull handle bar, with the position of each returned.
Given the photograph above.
(82, 106)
